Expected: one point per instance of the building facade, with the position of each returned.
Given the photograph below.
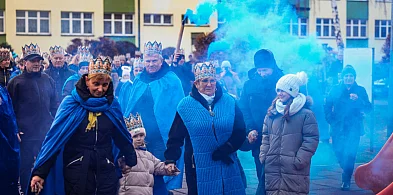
(49, 22)
(363, 23)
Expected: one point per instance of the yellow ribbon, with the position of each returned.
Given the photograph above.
(92, 120)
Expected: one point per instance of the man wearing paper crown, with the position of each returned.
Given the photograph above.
(5, 69)
(84, 60)
(58, 69)
(211, 125)
(78, 155)
(34, 100)
(155, 95)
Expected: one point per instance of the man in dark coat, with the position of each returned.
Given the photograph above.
(9, 146)
(344, 111)
(58, 70)
(183, 70)
(257, 96)
(34, 100)
(5, 68)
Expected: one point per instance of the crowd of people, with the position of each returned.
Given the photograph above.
(120, 125)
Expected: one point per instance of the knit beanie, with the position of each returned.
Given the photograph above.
(348, 69)
(126, 71)
(225, 64)
(291, 83)
(264, 59)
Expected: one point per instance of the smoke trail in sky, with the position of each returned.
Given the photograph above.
(251, 25)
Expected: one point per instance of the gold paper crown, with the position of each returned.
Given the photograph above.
(138, 63)
(4, 54)
(153, 48)
(84, 54)
(116, 58)
(133, 122)
(204, 70)
(56, 50)
(99, 66)
(31, 50)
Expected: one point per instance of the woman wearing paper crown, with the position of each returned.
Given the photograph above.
(84, 59)
(139, 179)
(289, 138)
(213, 128)
(78, 155)
(155, 94)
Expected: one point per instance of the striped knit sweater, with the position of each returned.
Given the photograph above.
(207, 132)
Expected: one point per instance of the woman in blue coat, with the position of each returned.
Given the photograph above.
(212, 126)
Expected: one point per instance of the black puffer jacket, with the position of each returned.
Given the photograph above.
(257, 96)
(59, 75)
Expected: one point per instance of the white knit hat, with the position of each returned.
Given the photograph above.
(291, 83)
(126, 71)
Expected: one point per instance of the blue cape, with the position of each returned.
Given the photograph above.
(9, 144)
(74, 77)
(167, 93)
(69, 116)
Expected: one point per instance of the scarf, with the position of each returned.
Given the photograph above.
(297, 104)
(209, 99)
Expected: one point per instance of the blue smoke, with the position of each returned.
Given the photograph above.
(251, 25)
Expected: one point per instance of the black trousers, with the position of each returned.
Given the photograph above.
(345, 147)
(28, 152)
(81, 178)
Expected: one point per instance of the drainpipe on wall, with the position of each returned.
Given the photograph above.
(390, 96)
(139, 25)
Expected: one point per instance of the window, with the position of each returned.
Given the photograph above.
(118, 24)
(32, 22)
(382, 28)
(325, 28)
(157, 19)
(2, 22)
(298, 27)
(76, 23)
(188, 22)
(356, 28)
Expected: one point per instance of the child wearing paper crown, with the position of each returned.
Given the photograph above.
(139, 179)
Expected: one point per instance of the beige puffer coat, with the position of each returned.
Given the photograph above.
(286, 150)
(139, 180)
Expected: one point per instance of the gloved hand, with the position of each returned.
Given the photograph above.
(131, 159)
(222, 153)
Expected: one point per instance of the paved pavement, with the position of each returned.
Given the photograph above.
(325, 179)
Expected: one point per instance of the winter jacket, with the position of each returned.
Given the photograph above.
(139, 179)
(287, 148)
(346, 115)
(59, 75)
(5, 75)
(34, 101)
(185, 75)
(256, 98)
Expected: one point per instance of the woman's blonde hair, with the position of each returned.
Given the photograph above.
(286, 110)
(99, 76)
